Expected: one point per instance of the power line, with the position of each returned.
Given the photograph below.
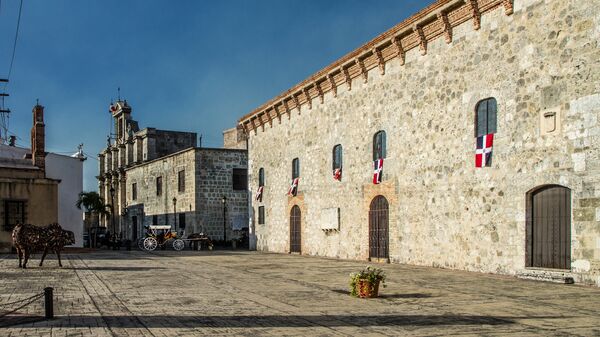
(14, 44)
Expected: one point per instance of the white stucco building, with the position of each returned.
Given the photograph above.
(69, 171)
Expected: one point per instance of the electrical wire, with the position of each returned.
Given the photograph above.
(14, 44)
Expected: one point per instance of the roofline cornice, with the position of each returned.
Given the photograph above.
(434, 21)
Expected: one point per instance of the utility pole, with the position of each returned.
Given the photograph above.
(3, 115)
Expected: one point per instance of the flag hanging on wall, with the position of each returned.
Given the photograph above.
(293, 187)
(483, 152)
(377, 171)
(337, 174)
(259, 193)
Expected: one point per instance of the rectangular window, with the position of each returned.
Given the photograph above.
(182, 220)
(181, 181)
(158, 185)
(14, 213)
(240, 179)
(295, 168)
(155, 220)
(134, 191)
(261, 215)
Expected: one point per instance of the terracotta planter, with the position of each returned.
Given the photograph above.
(366, 289)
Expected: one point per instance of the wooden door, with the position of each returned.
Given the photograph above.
(295, 230)
(379, 228)
(549, 228)
(134, 228)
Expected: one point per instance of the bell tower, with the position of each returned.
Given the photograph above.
(121, 113)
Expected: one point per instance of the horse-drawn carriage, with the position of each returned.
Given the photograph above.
(160, 236)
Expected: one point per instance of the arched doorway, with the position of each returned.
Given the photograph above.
(379, 228)
(295, 230)
(549, 227)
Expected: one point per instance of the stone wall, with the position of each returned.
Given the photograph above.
(149, 204)
(234, 139)
(215, 181)
(443, 211)
(208, 177)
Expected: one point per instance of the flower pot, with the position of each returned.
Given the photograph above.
(367, 289)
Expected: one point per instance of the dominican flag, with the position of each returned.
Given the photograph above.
(259, 193)
(293, 187)
(113, 108)
(377, 171)
(337, 174)
(483, 152)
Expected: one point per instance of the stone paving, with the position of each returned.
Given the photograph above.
(255, 294)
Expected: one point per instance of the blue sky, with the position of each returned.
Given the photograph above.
(182, 65)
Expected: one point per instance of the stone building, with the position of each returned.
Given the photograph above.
(161, 177)
(418, 96)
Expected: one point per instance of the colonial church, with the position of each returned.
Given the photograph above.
(465, 137)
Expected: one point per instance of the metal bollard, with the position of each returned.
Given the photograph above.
(49, 302)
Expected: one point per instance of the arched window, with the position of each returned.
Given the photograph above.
(261, 177)
(485, 117)
(379, 145)
(337, 157)
(295, 168)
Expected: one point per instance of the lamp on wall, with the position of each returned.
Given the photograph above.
(175, 213)
(112, 207)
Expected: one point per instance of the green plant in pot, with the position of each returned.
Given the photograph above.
(365, 284)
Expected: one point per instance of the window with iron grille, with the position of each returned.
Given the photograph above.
(134, 191)
(379, 145)
(261, 215)
(158, 185)
(485, 117)
(181, 181)
(295, 168)
(240, 179)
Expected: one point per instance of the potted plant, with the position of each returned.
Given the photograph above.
(365, 284)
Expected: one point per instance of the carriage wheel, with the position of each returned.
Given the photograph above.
(150, 244)
(178, 244)
(140, 243)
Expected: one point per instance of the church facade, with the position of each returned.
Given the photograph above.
(465, 137)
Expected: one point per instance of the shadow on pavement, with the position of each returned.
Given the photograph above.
(254, 321)
(387, 296)
(114, 268)
(12, 320)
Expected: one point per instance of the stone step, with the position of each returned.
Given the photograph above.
(545, 275)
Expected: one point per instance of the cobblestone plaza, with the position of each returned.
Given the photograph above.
(169, 293)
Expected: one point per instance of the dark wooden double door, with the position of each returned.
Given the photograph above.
(295, 230)
(549, 228)
(379, 229)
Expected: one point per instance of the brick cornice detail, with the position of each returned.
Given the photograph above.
(434, 21)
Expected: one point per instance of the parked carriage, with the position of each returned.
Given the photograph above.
(160, 236)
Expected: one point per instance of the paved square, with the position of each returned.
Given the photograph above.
(249, 293)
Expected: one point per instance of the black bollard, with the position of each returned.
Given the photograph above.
(49, 302)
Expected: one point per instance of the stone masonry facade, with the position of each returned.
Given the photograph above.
(420, 82)
(193, 180)
(208, 175)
